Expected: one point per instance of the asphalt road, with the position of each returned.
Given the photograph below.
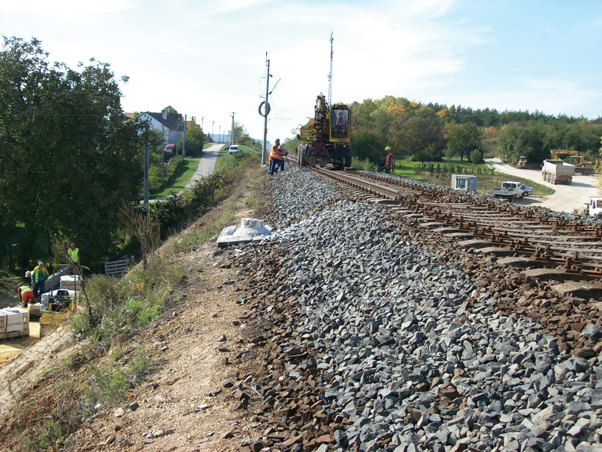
(205, 168)
(567, 198)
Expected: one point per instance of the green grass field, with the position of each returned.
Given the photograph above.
(486, 182)
(181, 178)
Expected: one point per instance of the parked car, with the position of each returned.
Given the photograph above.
(170, 151)
(233, 149)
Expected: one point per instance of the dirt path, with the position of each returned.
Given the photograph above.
(567, 198)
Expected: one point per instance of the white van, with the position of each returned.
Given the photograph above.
(233, 149)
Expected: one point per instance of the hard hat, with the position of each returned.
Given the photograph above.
(277, 140)
(40, 263)
(388, 148)
(27, 274)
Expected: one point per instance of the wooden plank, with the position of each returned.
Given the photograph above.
(116, 268)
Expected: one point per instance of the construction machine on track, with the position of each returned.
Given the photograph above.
(325, 138)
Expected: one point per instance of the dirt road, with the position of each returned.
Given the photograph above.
(567, 198)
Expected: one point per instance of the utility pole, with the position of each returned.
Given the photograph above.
(220, 133)
(267, 111)
(232, 140)
(164, 117)
(184, 142)
(146, 172)
(212, 126)
(202, 119)
(330, 74)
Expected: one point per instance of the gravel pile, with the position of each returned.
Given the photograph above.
(408, 352)
(299, 192)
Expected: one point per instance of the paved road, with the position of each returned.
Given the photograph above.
(567, 198)
(205, 168)
(206, 165)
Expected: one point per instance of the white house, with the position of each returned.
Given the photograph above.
(171, 128)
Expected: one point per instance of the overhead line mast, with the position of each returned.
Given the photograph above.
(330, 74)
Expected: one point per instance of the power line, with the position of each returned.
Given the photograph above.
(51, 115)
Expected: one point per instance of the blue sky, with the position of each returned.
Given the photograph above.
(207, 58)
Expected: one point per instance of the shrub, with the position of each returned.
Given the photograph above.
(422, 156)
(476, 156)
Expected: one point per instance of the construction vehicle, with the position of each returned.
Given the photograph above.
(570, 156)
(522, 162)
(325, 138)
(557, 172)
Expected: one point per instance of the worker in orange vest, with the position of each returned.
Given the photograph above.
(387, 165)
(276, 157)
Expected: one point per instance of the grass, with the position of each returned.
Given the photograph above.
(486, 182)
(181, 177)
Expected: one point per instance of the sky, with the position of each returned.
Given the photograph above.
(207, 58)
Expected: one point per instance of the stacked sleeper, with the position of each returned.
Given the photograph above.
(14, 322)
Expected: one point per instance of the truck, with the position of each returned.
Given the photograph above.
(593, 208)
(557, 172)
(464, 183)
(522, 162)
(325, 138)
(570, 156)
(512, 190)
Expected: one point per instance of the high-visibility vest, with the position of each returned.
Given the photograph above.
(73, 254)
(39, 274)
(275, 153)
(24, 290)
(389, 161)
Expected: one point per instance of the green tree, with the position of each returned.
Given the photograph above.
(69, 154)
(463, 138)
(476, 156)
(240, 134)
(195, 139)
(172, 112)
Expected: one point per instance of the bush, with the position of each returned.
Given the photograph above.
(422, 156)
(476, 156)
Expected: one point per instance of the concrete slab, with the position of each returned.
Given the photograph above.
(546, 274)
(430, 225)
(579, 289)
(495, 251)
(475, 243)
(519, 262)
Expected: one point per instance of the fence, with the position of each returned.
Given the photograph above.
(116, 268)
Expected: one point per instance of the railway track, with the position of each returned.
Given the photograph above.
(526, 237)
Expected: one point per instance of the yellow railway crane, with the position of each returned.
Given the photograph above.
(325, 138)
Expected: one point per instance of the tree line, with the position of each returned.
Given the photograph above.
(427, 132)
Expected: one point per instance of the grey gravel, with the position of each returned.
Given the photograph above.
(399, 354)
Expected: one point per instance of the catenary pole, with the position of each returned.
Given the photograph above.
(265, 119)
(232, 138)
(184, 143)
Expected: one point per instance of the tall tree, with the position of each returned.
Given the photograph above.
(463, 138)
(70, 157)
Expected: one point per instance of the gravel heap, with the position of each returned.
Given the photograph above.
(409, 352)
(299, 193)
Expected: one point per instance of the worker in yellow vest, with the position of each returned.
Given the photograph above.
(25, 294)
(388, 163)
(73, 257)
(38, 276)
